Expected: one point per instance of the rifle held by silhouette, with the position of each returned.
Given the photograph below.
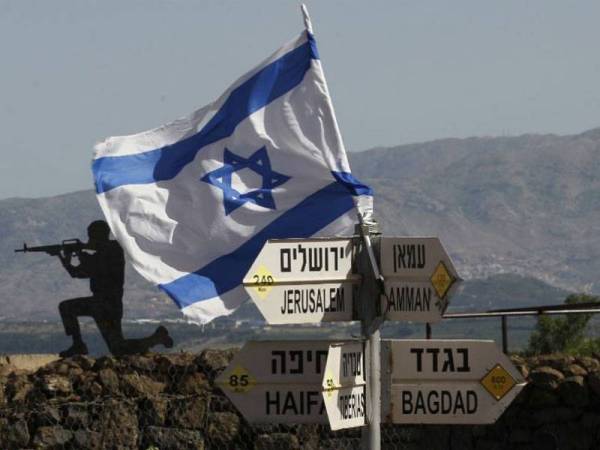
(68, 246)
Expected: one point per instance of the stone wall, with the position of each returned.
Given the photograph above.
(168, 401)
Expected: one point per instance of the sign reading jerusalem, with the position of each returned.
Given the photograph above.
(449, 381)
(419, 279)
(304, 280)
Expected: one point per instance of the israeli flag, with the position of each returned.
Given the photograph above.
(193, 202)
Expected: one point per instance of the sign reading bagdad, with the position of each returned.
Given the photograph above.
(449, 381)
(419, 278)
(304, 280)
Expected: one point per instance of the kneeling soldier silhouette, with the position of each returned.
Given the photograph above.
(106, 270)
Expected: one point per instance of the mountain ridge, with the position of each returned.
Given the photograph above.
(527, 205)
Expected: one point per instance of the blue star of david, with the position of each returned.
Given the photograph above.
(257, 162)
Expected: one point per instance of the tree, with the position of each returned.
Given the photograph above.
(563, 334)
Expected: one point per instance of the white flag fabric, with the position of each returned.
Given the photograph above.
(193, 202)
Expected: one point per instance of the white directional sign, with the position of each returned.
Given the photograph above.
(304, 280)
(419, 278)
(449, 381)
(278, 382)
(344, 385)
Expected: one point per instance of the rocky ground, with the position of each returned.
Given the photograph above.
(158, 401)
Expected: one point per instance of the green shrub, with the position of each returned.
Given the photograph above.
(565, 334)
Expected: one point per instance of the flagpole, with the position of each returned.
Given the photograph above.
(369, 314)
(306, 17)
(371, 320)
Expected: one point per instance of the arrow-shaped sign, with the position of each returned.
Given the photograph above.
(419, 278)
(304, 280)
(449, 381)
(278, 381)
(344, 386)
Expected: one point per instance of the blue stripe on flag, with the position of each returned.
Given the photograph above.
(164, 163)
(227, 271)
(313, 45)
(355, 186)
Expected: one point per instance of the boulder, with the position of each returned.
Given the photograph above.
(520, 436)
(437, 438)
(133, 384)
(489, 444)
(188, 412)
(18, 388)
(541, 398)
(511, 417)
(84, 362)
(95, 390)
(343, 443)
(59, 367)
(86, 439)
(274, 441)
(574, 392)
(461, 437)
(593, 380)
(308, 435)
(13, 434)
(141, 363)
(82, 381)
(76, 415)
(109, 380)
(105, 362)
(153, 411)
(479, 431)
(546, 438)
(51, 437)
(577, 437)
(75, 372)
(546, 377)
(56, 385)
(588, 363)
(46, 415)
(223, 428)
(575, 370)
(175, 364)
(117, 422)
(591, 420)
(212, 362)
(553, 415)
(192, 383)
(558, 362)
(172, 439)
(521, 365)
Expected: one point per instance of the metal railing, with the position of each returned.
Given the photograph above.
(577, 308)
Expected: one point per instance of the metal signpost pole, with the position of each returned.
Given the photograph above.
(373, 431)
(371, 320)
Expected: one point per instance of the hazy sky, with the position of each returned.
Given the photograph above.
(75, 71)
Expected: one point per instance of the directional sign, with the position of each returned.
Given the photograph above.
(304, 280)
(419, 279)
(449, 381)
(278, 381)
(344, 385)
